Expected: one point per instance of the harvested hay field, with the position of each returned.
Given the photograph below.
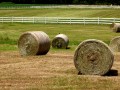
(54, 71)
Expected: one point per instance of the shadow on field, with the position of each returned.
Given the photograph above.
(112, 72)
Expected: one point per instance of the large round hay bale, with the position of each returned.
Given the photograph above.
(60, 41)
(34, 43)
(93, 57)
(115, 27)
(115, 44)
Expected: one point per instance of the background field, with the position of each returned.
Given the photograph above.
(63, 12)
(9, 33)
(56, 70)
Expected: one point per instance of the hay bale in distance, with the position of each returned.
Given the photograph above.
(115, 44)
(115, 27)
(60, 41)
(34, 43)
(93, 57)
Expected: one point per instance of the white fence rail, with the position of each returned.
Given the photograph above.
(58, 20)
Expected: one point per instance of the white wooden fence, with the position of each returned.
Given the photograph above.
(58, 20)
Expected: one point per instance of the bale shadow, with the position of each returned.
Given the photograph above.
(67, 47)
(112, 72)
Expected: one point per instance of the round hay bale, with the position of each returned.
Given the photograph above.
(115, 27)
(60, 41)
(115, 44)
(34, 43)
(93, 57)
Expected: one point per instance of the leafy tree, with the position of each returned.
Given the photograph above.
(114, 2)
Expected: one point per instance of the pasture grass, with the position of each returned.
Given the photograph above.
(62, 12)
(10, 32)
(7, 4)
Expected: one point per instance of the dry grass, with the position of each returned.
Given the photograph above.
(55, 71)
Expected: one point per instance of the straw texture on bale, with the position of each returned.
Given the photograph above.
(115, 44)
(93, 57)
(60, 41)
(115, 27)
(34, 43)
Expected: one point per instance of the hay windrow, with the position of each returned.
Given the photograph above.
(115, 27)
(60, 41)
(93, 57)
(115, 44)
(34, 43)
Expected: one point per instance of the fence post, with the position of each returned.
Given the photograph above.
(45, 20)
(57, 19)
(114, 20)
(2, 19)
(84, 20)
(98, 20)
(22, 19)
(33, 20)
(70, 20)
(12, 19)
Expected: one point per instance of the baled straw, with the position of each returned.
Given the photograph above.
(93, 57)
(115, 44)
(60, 41)
(115, 27)
(34, 43)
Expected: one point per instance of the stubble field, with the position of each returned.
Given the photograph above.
(54, 71)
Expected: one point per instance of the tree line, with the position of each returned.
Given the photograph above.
(90, 2)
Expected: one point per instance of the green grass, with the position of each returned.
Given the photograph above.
(10, 32)
(7, 4)
(54, 12)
